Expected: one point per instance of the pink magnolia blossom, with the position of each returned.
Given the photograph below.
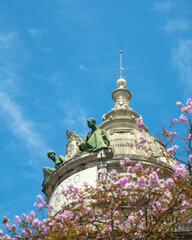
(185, 204)
(175, 120)
(156, 204)
(122, 164)
(141, 181)
(171, 134)
(143, 139)
(127, 143)
(99, 189)
(1, 232)
(183, 118)
(23, 233)
(8, 226)
(139, 122)
(113, 172)
(50, 207)
(127, 160)
(108, 186)
(129, 169)
(40, 205)
(64, 192)
(67, 214)
(180, 170)
(189, 102)
(131, 219)
(154, 180)
(190, 159)
(116, 222)
(122, 181)
(170, 183)
(13, 226)
(140, 212)
(35, 221)
(16, 218)
(138, 166)
(184, 109)
(172, 149)
(116, 214)
(39, 198)
(178, 103)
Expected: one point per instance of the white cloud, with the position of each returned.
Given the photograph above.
(177, 24)
(163, 7)
(35, 33)
(12, 56)
(12, 59)
(182, 59)
(82, 67)
(22, 129)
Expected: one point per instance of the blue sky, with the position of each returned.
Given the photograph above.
(57, 58)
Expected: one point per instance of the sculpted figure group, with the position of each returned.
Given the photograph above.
(47, 171)
(94, 140)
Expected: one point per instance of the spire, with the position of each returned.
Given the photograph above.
(121, 82)
(121, 95)
(121, 68)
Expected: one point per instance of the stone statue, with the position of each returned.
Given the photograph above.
(95, 140)
(47, 171)
(73, 140)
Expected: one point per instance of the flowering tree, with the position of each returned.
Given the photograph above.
(139, 204)
(184, 122)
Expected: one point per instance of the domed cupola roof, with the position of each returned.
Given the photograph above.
(122, 115)
(120, 124)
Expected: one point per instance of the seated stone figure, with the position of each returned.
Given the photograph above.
(47, 171)
(95, 140)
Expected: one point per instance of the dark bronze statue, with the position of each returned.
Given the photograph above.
(47, 171)
(95, 140)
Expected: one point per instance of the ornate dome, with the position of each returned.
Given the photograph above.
(120, 124)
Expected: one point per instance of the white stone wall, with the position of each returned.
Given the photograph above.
(57, 199)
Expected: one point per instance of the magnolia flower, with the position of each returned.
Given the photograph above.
(175, 120)
(139, 122)
(190, 159)
(39, 198)
(172, 149)
(183, 118)
(154, 180)
(116, 222)
(127, 160)
(189, 102)
(185, 204)
(170, 183)
(108, 186)
(180, 170)
(141, 181)
(178, 103)
(122, 181)
(127, 143)
(131, 219)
